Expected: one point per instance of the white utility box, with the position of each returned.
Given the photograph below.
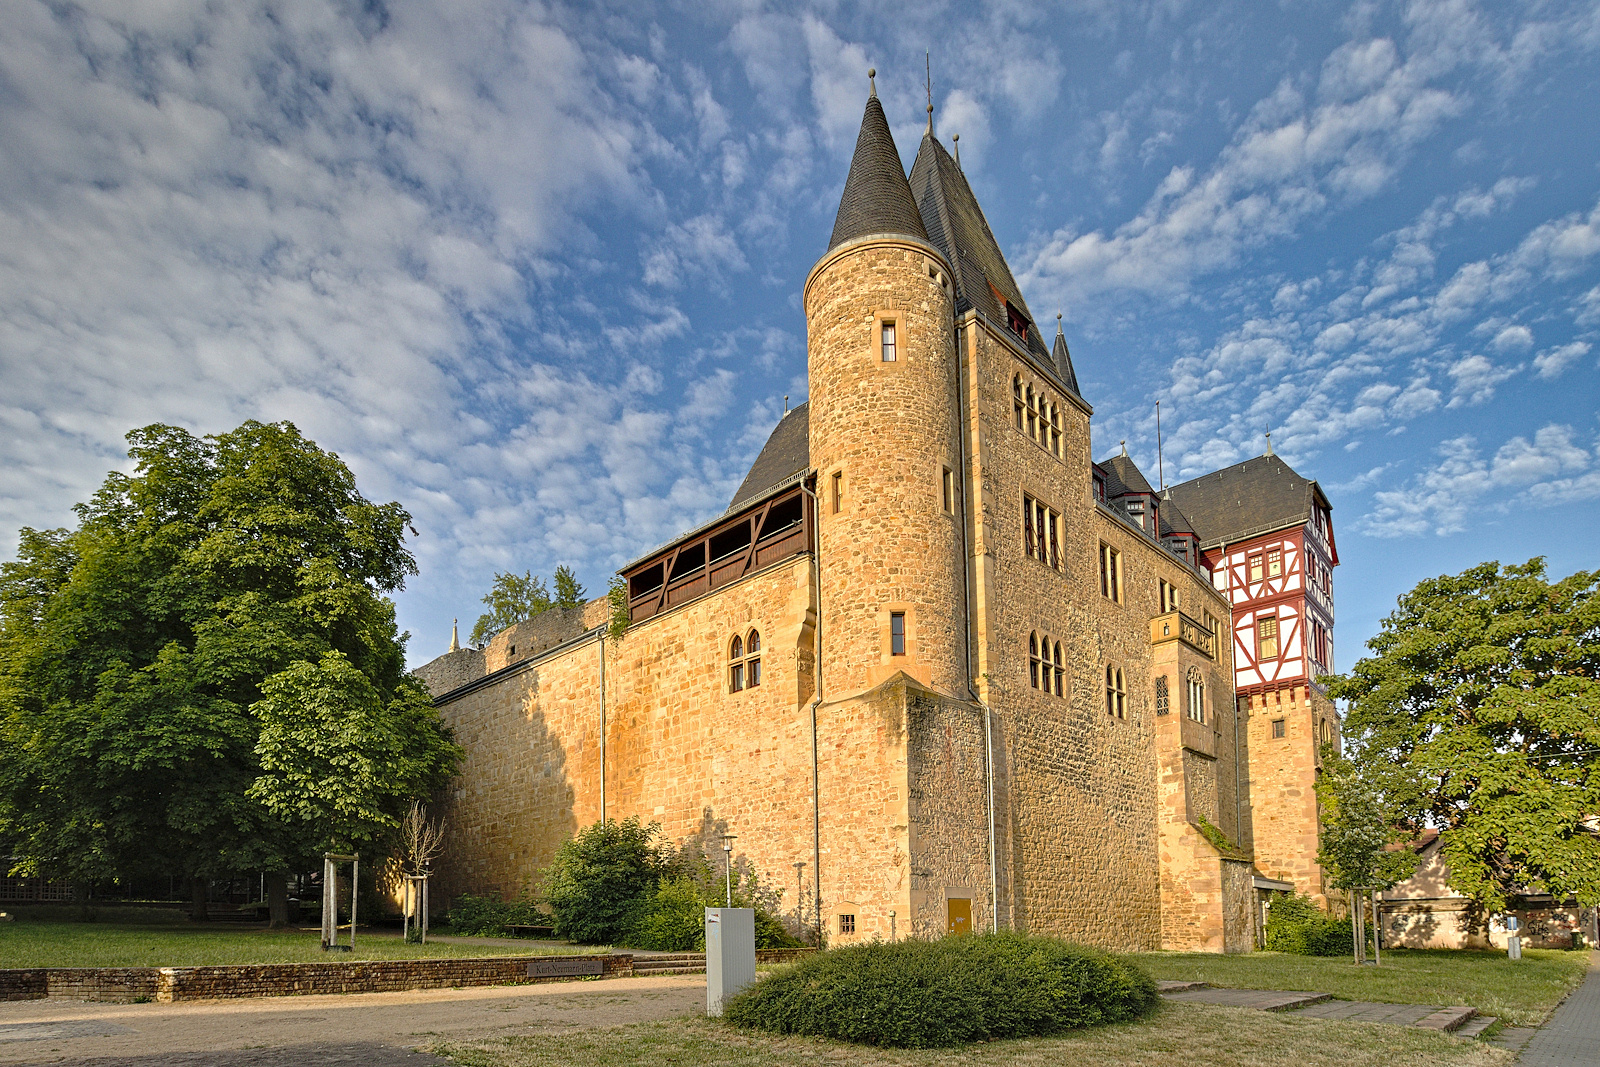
(730, 954)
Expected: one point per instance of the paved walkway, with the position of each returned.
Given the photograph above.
(1321, 1006)
(1572, 1036)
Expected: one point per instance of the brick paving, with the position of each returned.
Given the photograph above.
(1572, 1036)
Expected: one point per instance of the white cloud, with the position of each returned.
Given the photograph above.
(1476, 378)
(1551, 469)
(1553, 361)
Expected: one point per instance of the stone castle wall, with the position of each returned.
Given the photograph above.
(1283, 775)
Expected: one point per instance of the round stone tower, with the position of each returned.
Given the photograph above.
(880, 323)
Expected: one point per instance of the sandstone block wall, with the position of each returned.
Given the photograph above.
(1283, 774)
(452, 670)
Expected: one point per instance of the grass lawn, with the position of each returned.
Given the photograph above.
(1177, 1033)
(64, 944)
(1518, 992)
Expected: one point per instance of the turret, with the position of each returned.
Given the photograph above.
(884, 435)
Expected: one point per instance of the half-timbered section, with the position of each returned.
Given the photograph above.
(1266, 536)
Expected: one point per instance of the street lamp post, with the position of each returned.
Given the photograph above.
(799, 891)
(727, 852)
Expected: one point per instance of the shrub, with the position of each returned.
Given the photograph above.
(1298, 926)
(932, 994)
(489, 916)
(596, 884)
(672, 919)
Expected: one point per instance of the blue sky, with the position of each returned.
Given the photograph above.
(534, 270)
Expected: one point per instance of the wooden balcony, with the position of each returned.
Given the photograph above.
(720, 554)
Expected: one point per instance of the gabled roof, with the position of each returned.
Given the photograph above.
(1250, 498)
(786, 453)
(876, 197)
(1173, 520)
(1123, 477)
(956, 226)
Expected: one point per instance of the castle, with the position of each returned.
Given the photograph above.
(935, 668)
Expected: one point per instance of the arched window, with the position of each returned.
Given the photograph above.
(744, 662)
(1060, 669)
(1055, 430)
(1033, 413)
(1016, 398)
(1116, 693)
(1197, 696)
(1034, 666)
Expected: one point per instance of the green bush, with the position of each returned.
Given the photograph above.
(1298, 926)
(597, 884)
(934, 994)
(489, 916)
(672, 919)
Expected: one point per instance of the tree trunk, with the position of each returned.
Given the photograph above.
(277, 899)
(198, 885)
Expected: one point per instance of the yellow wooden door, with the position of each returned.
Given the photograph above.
(959, 913)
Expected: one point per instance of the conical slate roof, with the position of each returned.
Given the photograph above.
(877, 198)
(1063, 361)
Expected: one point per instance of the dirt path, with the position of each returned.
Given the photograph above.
(370, 1028)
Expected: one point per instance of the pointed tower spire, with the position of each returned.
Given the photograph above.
(877, 198)
(455, 640)
(1063, 358)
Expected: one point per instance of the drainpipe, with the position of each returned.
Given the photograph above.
(816, 702)
(994, 882)
(602, 726)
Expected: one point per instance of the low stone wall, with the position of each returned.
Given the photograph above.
(165, 984)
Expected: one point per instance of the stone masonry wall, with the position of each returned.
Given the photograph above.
(1283, 774)
(452, 670)
(888, 429)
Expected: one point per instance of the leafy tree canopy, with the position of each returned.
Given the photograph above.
(515, 598)
(214, 635)
(1482, 693)
(1363, 844)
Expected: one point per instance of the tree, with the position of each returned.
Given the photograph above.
(596, 882)
(569, 594)
(136, 651)
(511, 599)
(1483, 688)
(1363, 844)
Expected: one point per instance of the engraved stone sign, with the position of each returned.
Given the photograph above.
(564, 967)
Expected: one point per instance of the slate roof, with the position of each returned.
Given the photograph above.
(876, 197)
(1247, 499)
(1063, 359)
(1173, 520)
(1122, 477)
(786, 453)
(956, 227)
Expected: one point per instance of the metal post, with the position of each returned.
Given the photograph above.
(425, 908)
(355, 889)
(727, 852)
(1377, 934)
(330, 902)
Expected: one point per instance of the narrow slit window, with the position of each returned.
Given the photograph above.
(1060, 670)
(949, 491)
(1016, 398)
(889, 350)
(1116, 693)
(1033, 660)
(897, 633)
(838, 491)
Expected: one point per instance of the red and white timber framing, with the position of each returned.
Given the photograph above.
(1281, 587)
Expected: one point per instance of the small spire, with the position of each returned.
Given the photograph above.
(1124, 446)
(1058, 324)
(872, 80)
(1269, 442)
(927, 58)
(786, 403)
(955, 139)
(455, 639)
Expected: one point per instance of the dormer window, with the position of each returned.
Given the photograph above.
(1015, 320)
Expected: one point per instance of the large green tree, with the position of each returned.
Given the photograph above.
(149, 659)
(1482, 695)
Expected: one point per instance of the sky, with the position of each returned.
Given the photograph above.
(534, 270)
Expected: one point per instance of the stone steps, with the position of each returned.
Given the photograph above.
(1474, 1027)
(1448, 1019)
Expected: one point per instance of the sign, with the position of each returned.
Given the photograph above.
(564, 967)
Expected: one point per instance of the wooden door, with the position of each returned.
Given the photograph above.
(958, 912)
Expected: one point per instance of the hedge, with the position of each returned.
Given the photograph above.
(1296, 925)
(934, 994)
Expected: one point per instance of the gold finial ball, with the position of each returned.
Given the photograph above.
(955, 137)
(872, 72)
